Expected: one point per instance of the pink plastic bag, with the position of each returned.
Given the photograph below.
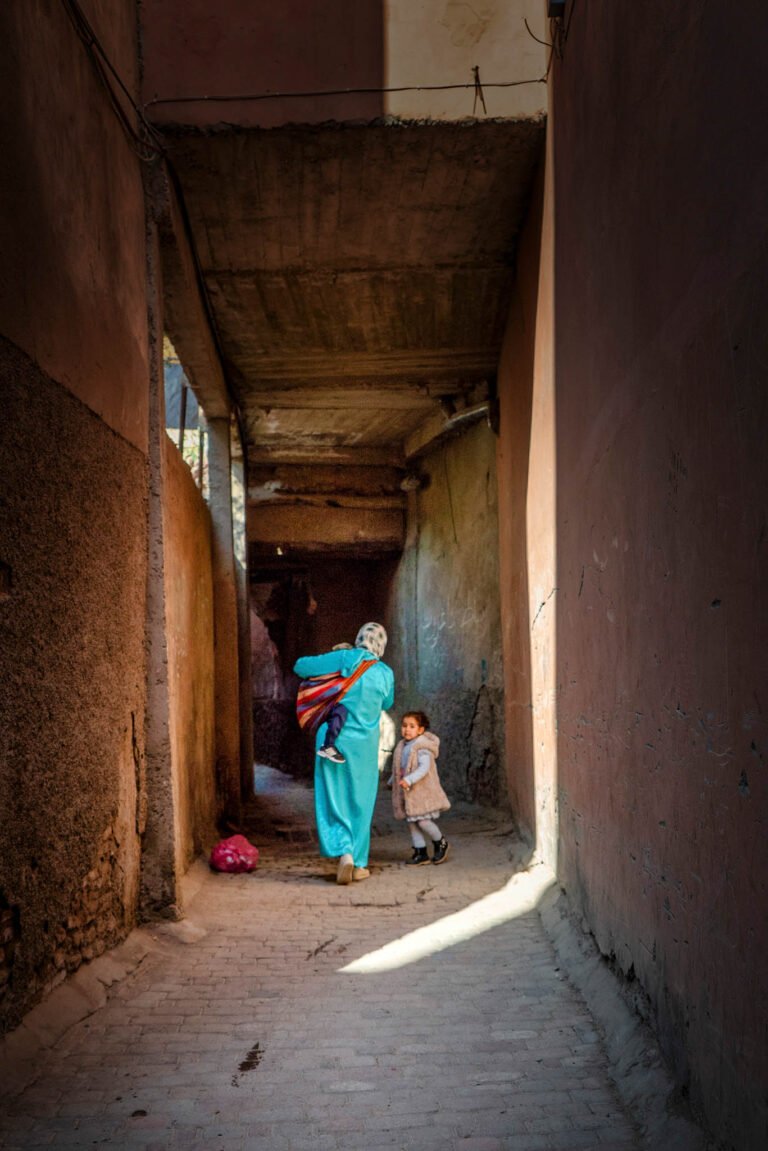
(235, 854)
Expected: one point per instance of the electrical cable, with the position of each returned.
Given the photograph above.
(530, 33)
(144, 146)
(248, 97)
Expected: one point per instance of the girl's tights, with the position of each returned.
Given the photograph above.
(418, 829)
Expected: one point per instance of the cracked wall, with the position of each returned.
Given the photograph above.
(445, 643)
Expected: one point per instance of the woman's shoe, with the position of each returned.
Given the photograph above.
(441, 850)
(360, 873)
(345, 870)
(419, 857)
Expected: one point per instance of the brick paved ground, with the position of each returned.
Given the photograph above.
(241, 1028)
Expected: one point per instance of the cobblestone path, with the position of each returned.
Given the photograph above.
(421, 1009)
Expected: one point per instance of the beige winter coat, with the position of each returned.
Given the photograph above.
(426, 797)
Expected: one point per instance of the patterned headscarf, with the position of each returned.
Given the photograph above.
(373, 638)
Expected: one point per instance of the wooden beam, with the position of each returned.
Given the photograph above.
(324, 479)
(439, 427)
(320, 398)
(419, 366)
(259, 498)
(389, 456)
(307, 529)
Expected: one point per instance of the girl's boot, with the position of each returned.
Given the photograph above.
(419, 857)
(441, 850)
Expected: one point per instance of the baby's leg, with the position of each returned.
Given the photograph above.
(336, 721)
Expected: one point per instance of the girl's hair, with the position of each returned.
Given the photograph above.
(421, 718)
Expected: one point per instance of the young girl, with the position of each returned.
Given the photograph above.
(417, 795)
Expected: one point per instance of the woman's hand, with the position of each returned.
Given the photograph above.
(405, 785)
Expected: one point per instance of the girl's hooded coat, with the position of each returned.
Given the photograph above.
(426, 796)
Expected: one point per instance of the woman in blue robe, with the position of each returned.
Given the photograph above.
(345, 794)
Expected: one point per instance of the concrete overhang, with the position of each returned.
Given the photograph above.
(358, 278)
(187, 321)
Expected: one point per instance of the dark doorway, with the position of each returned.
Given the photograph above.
(303, 606)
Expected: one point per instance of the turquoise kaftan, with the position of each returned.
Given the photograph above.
(345, 793)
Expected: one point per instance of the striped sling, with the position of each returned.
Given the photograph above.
(318, 695)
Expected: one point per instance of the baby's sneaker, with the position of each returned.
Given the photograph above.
(333, 754)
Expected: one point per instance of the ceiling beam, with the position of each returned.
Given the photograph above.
(321, 398)
(324, 479)
(390, 455)
(421, 365)
(440, 426)
(258, 499)
(304, 529)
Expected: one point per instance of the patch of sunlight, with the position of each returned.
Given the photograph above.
(518, 896)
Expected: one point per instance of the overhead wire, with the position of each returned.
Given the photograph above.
(145, 144)
(249, 97)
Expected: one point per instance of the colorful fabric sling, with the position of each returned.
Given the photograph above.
(317, 696)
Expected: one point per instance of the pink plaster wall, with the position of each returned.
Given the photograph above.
(662, 630)
(72, 276)
(189, 623)
(196, 48)
(515, 384)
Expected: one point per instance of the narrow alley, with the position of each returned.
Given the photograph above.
(285, 1012)
(435, 331)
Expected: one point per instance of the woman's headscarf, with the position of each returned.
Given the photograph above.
(373, 638)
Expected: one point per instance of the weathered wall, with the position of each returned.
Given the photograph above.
(189, 619)
(515, 386)
(527, 545)
(73, 359)
(662, 477)
(73, 210)
(72, 694)
(439, 42)
(234, 47)
(195, 48)
(445, 645)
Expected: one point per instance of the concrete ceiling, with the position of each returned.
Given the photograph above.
(359, 279)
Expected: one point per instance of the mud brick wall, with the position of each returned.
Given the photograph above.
(72, 694)
(9, 937)
(93, 922)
